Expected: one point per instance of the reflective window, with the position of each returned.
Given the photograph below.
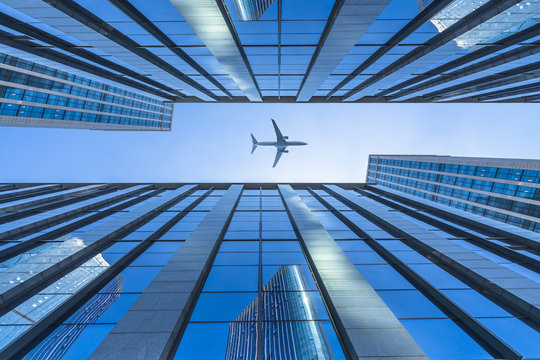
(517, 334)
(409, 304)
(232, 278)
(383, 277)
(443, 339)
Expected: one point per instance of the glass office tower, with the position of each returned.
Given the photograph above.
(284, 298)
(506, 190)
(297, 51)
(266, 271)
(40, 96)
(250, 10)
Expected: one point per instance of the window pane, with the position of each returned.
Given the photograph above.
(222, 306)
(442, 339)
(232, 278)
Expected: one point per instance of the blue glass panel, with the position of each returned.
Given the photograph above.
(383, 277)
(232, 235)
(272, 299)
(342, 234)
(232, 278)
(164, 246)
(281, 246)
(70, 342)
(269, 271)
(517, 334)
(438, 277)
(442, 339)
(410, 304)
(175, 235)
(353, 245)
(242, 258)
(411, 257)
(203, 341)
(230, 306)
(476, 304)
(333, 341)
(138, 235)
(111, 309)
(121, 247)
(136, 278)
(247, 246)
(365, 257)
(152, 259)
(278, 235)
(284, 258)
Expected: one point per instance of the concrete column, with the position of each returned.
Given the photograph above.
(151, 327)
(474, 221)
(515, 290)
(367, 327)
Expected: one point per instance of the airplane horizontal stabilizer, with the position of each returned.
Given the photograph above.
(254, 143)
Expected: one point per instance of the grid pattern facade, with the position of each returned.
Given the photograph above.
(289, 50)
(502, 189)
(207, 271)
(36, 95)
(250, 10)
(285, 297)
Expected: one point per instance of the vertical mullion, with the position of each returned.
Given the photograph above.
(279, 48)
(260, 338)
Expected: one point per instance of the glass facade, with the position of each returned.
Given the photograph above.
(312, 271)
(249, 10)
(292, 50)
(36, 95)
(502, 189)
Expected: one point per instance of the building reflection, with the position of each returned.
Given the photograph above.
(517, 18)
(289, 330)
(251, 10)
(56, 345)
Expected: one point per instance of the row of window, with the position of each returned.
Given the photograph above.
(491, 172)
(41, 83)
(492, 214)
(47, 113)
(485, 185)
(27, 65)
(43, 98)
(500, 203)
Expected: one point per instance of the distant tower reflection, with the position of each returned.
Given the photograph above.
(284, 299)
(61, 339)
(251, 10)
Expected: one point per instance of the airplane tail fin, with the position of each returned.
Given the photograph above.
(254, 143)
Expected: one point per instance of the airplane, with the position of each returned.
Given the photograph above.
(280, 144)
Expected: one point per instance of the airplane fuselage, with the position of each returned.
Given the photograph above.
(281, 144)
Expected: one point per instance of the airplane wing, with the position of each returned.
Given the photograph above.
(279, 135)
(279, 152)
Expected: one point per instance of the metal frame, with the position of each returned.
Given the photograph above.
(405, 31)
(484, 51)
(41, 35)
(480, 15)
(490, 342)
(146, 24)
(79, 13)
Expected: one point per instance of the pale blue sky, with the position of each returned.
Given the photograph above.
(211, 142)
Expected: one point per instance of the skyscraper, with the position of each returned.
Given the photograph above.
(284, 298)
(38, 96)
(249, 10)
(326, 271)
(300, 51)
(506, 190)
